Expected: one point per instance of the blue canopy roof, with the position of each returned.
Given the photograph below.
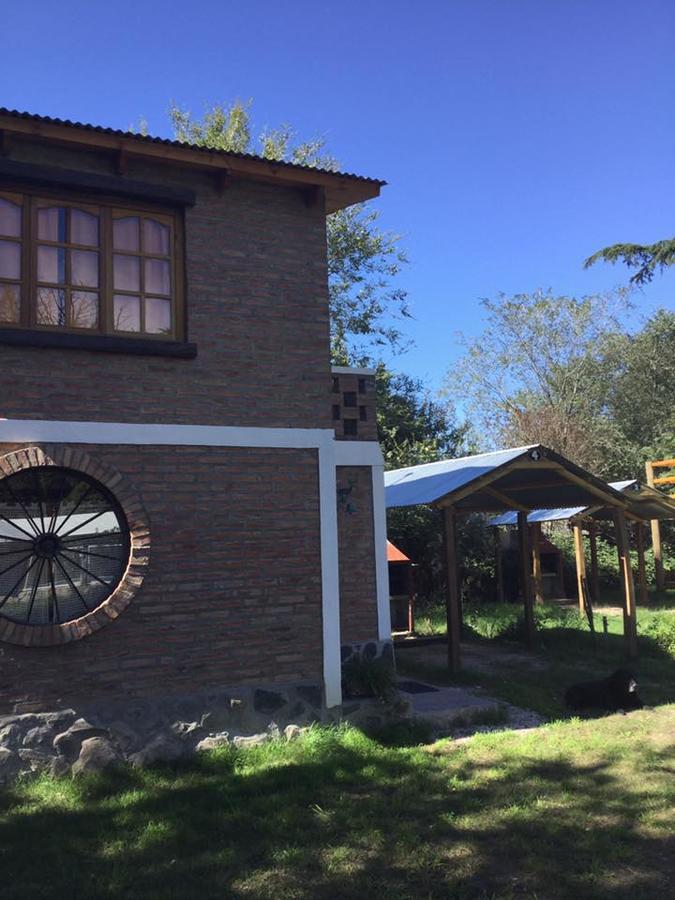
(426, 483)
(554, 515)
(644, 501)
(520, 478)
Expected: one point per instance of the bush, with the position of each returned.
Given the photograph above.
(369, 678)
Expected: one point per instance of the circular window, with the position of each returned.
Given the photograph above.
(64, 545)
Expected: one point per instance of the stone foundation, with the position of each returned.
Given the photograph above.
(143, 732)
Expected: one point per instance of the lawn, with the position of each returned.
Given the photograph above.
(573, 809)
(496, 660)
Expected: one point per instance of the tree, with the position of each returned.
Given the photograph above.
(641, 391)
(536, 375)
(363, 260)
(646, 258)
(414, 428)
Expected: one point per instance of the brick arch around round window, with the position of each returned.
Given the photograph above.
(127, 498)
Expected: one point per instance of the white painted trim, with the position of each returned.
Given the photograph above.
(331, 453)
(351, 370)
(381, 563)
(60, 432)
(358, 453)
(330, 578)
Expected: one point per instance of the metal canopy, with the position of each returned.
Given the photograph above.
(644, 503)
(521, 478)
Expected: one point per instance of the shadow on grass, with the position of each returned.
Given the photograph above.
(340, 816)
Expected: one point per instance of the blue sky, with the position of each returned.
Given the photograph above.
(517, 136)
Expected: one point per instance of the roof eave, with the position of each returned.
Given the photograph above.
(339, 190)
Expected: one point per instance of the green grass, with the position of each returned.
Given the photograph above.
(574, 809)
(566, 653)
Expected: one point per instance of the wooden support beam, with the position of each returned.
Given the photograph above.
(659, 573)
(526, 579)
(499, 568)
(223, 180)
(642, 569)
(595, 581)
(535, 535)
(580, 559)
(313, 197)
(507, 501)
(452, 590)
(628, 585)
(121, 162)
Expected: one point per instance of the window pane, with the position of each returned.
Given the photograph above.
(157, 316)
(10, 259)
(127, 313)
(84, 309)
(83, 228)
(51, 306)
(157, 276)
(52, 265)
(84, 268)
(126, 273)
(9, 302)
(10, 218)
(155, 237)
(52, 224)
(126, 233)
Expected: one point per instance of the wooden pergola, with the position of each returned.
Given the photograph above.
(518, 480)
(645, 504)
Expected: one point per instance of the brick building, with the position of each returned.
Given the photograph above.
(191, 501)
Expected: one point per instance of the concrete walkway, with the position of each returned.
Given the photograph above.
(448, 709)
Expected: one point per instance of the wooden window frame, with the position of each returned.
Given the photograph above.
(108, 208)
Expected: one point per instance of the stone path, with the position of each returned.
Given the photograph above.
(460, 712)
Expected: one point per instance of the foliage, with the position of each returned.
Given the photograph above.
(363, 260)
(646, 258)
(363, 677)
(565, 372)
(534, 374)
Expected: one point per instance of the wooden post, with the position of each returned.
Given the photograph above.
(629, 618)
(526, 578)
(642, 570)
(535, 534)
(595, 581)
(499, 569)
(452, 590)
(411, 599)
(581, 566)
(659, 574)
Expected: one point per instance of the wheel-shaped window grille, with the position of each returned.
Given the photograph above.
(64, 545)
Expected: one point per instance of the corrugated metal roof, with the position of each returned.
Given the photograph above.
(148, 139)
(645, 501)
(424, 484)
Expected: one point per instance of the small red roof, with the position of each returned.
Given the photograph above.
(394, 554)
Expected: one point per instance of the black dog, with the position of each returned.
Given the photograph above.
(619, 691)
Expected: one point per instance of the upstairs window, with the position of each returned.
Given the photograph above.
(67, 266)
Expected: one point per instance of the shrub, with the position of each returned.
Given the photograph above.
(369, 678)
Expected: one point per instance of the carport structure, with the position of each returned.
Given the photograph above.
(520, 479)
(645, 504)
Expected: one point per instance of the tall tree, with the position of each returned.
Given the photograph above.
(363, 259)
(645, 258)
(536, 374)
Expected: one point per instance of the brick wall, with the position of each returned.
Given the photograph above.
(358, 593)
(257, 308)
(232, 594)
